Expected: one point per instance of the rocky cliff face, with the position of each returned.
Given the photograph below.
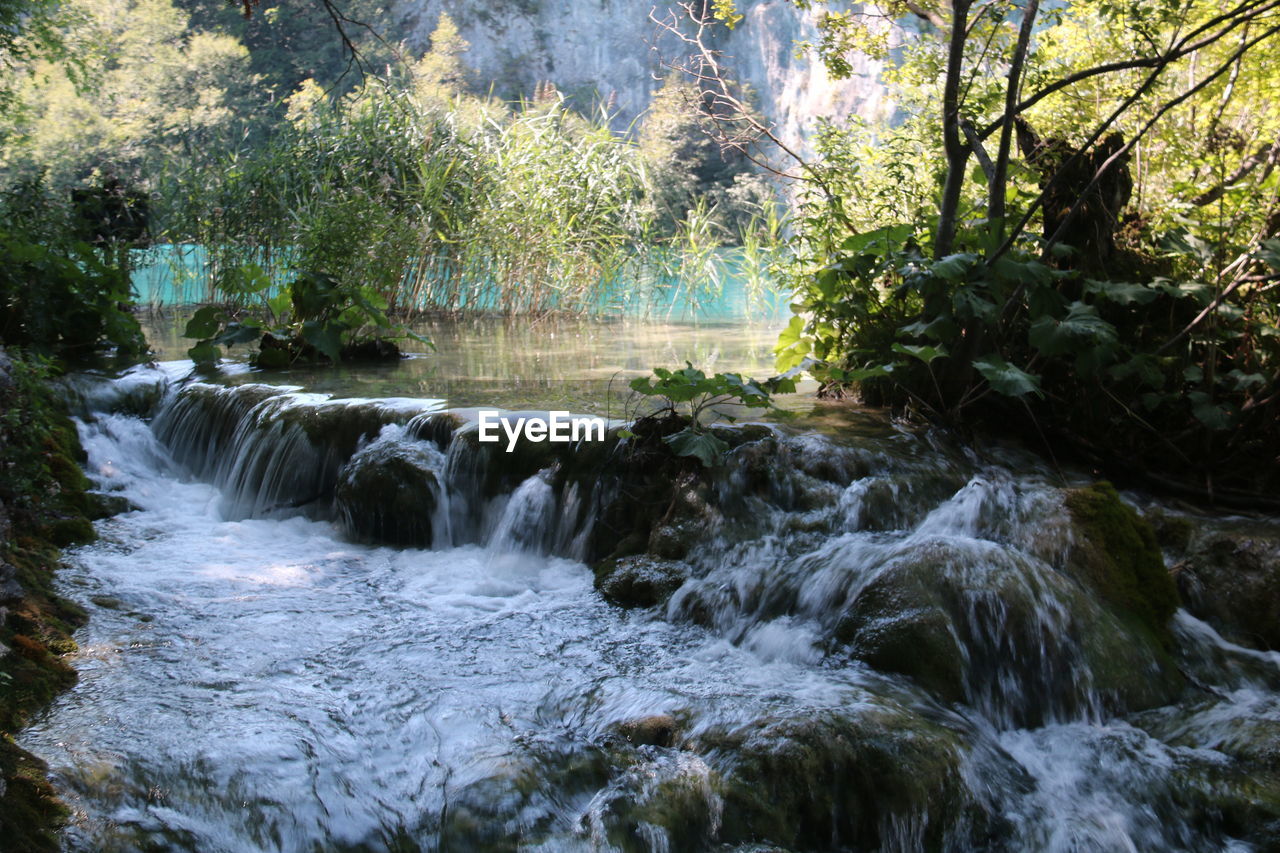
(613, 48)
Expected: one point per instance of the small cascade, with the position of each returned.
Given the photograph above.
(272, 451)
(528, 522)
(868, 641)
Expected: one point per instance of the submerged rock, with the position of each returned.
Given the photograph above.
(878, 777)
(977, 623)
(654, 730)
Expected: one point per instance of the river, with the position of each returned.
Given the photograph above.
(877, 645)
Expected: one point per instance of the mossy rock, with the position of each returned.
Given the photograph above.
(1231, 579)
(1116, 554)
(101, 505)
(30, 812)
(387, 494)
(979, 624)
(65, 532)
(845, 780)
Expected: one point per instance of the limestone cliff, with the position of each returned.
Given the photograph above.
(613, 48)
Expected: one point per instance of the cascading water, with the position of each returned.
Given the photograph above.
(348, 625)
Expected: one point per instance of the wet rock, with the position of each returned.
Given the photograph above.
(977, 623)
(490, 470)
(1232, 581)
(640, 581)
(10, 587)
(864, 779)
(1244, 726)
(6, 373)
(654, 730)
(388, 492)
(101, 505)
(65, 532)
(371, 349)
(437, 427)
(1115, 552)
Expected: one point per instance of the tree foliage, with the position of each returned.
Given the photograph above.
(1069, 228)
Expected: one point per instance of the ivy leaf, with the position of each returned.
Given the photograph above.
(1006, 379)
(703, 446)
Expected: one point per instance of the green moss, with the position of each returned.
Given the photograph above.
(69, 531)
(43, 493)
(1117, 554)
(29, 808)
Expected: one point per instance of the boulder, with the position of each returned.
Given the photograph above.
(1231, 579)
(388, 492)
(974, 622)
(640, 581)
(1115, 553)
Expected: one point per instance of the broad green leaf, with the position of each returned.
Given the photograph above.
(939, 329)
(791, 335)
(924, 353)
(1080, 329)
(204, 323)
(1006, 379)
(238, 333)
(955, 267)
(880, 241)
(204, 353)
(703, 446)
(1121, 293)
(324, 337)
(1214, 416)
(272, 359)
(971, 302)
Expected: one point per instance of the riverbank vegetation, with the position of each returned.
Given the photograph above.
(44, 506)
(401, 181)
(1072, 232)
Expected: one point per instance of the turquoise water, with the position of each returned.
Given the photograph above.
(725, 287)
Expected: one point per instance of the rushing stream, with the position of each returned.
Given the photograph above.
(876, 647)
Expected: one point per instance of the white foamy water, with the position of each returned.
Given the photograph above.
(259, 683)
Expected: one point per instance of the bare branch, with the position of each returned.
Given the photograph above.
(1269, 155)
(996, 195)
(1242, 14)
(730, 121)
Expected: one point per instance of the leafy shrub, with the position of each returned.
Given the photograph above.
(317, 317)
(691, 394)
(58, 294)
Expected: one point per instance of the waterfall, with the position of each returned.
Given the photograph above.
(352, 623)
